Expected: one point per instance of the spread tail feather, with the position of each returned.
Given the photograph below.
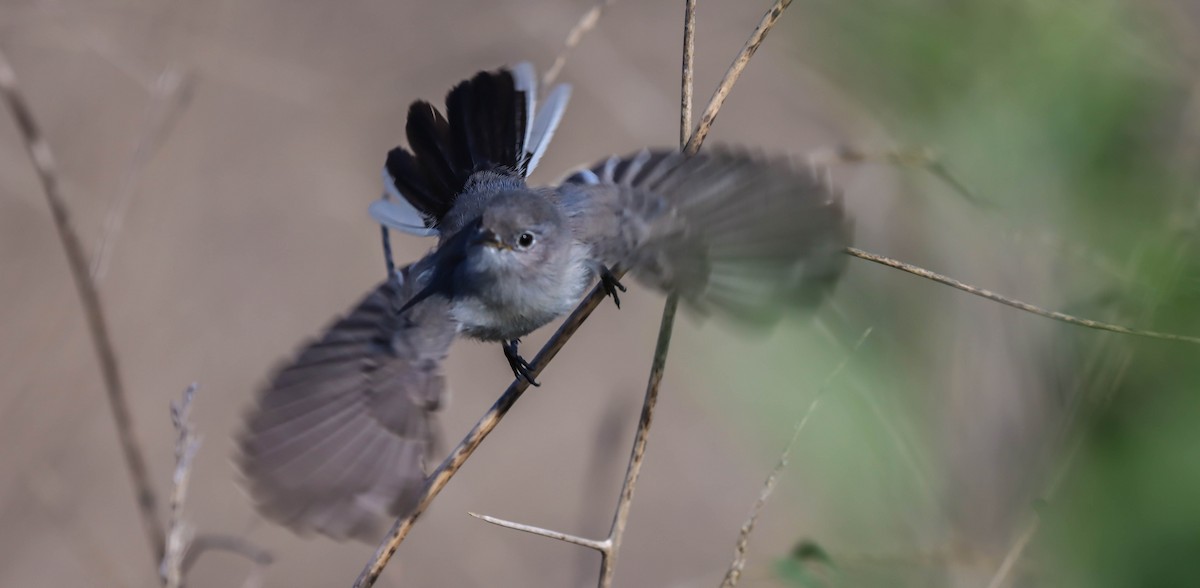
(491, 124)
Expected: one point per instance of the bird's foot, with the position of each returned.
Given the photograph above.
(611, 285)
(519, 366)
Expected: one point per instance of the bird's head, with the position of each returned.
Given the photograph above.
(518, 229)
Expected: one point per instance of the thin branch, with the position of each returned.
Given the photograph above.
(689, 70)
(586, 23)
(918, 157)
(601, 546)
(169, 94)
(179, 532)
(637, 455)
(739, 553)
(89, 298)
(1014, 554)
(1017, 304)
(731, 76)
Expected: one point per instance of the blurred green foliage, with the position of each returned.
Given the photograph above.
(1077, 117)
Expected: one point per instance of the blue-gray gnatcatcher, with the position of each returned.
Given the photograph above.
(339, 437)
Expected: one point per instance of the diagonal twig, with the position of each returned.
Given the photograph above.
(731, 76)
(89, 299)
(1017, 304)
(169, 94)
(586, 23)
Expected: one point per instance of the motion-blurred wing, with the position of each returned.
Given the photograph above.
(338, 440)
(731, 232)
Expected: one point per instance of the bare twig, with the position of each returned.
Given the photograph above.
(183, 546)
(731, 76)
(586, 23)
(739, 553)
(168, 95)
(1017, 304)
(608, 563)
(179, 532)
(603, 546)
(689, 71)
(89, 298)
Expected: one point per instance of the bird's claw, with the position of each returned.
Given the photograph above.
(520, 368)
(611, 285)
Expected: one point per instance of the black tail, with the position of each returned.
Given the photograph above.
(484, 129)
(490, 124)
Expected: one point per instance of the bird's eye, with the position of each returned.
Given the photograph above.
(525, 240)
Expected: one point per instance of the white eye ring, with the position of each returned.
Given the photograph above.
(525, 240)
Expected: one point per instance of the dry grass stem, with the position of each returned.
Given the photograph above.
(586, 23)
(169, 94)
(179, 532)
(89, 298)
(689, 60)
(731, 76)
(1017, 304)
(608, 564)
(601, 546)
(734, 574)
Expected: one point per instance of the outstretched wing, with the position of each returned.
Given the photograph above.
(731, 232)
(338, 439)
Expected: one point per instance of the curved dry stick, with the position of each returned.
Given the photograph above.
(731, 75)
(1017, 304)
(89, 298)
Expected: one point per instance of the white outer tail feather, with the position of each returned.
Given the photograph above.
(545, 122)
(395, 212)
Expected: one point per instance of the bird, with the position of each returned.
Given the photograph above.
(338, 439)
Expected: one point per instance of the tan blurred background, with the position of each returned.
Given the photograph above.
(244, 231)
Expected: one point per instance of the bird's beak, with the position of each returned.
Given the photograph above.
(490, 239)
